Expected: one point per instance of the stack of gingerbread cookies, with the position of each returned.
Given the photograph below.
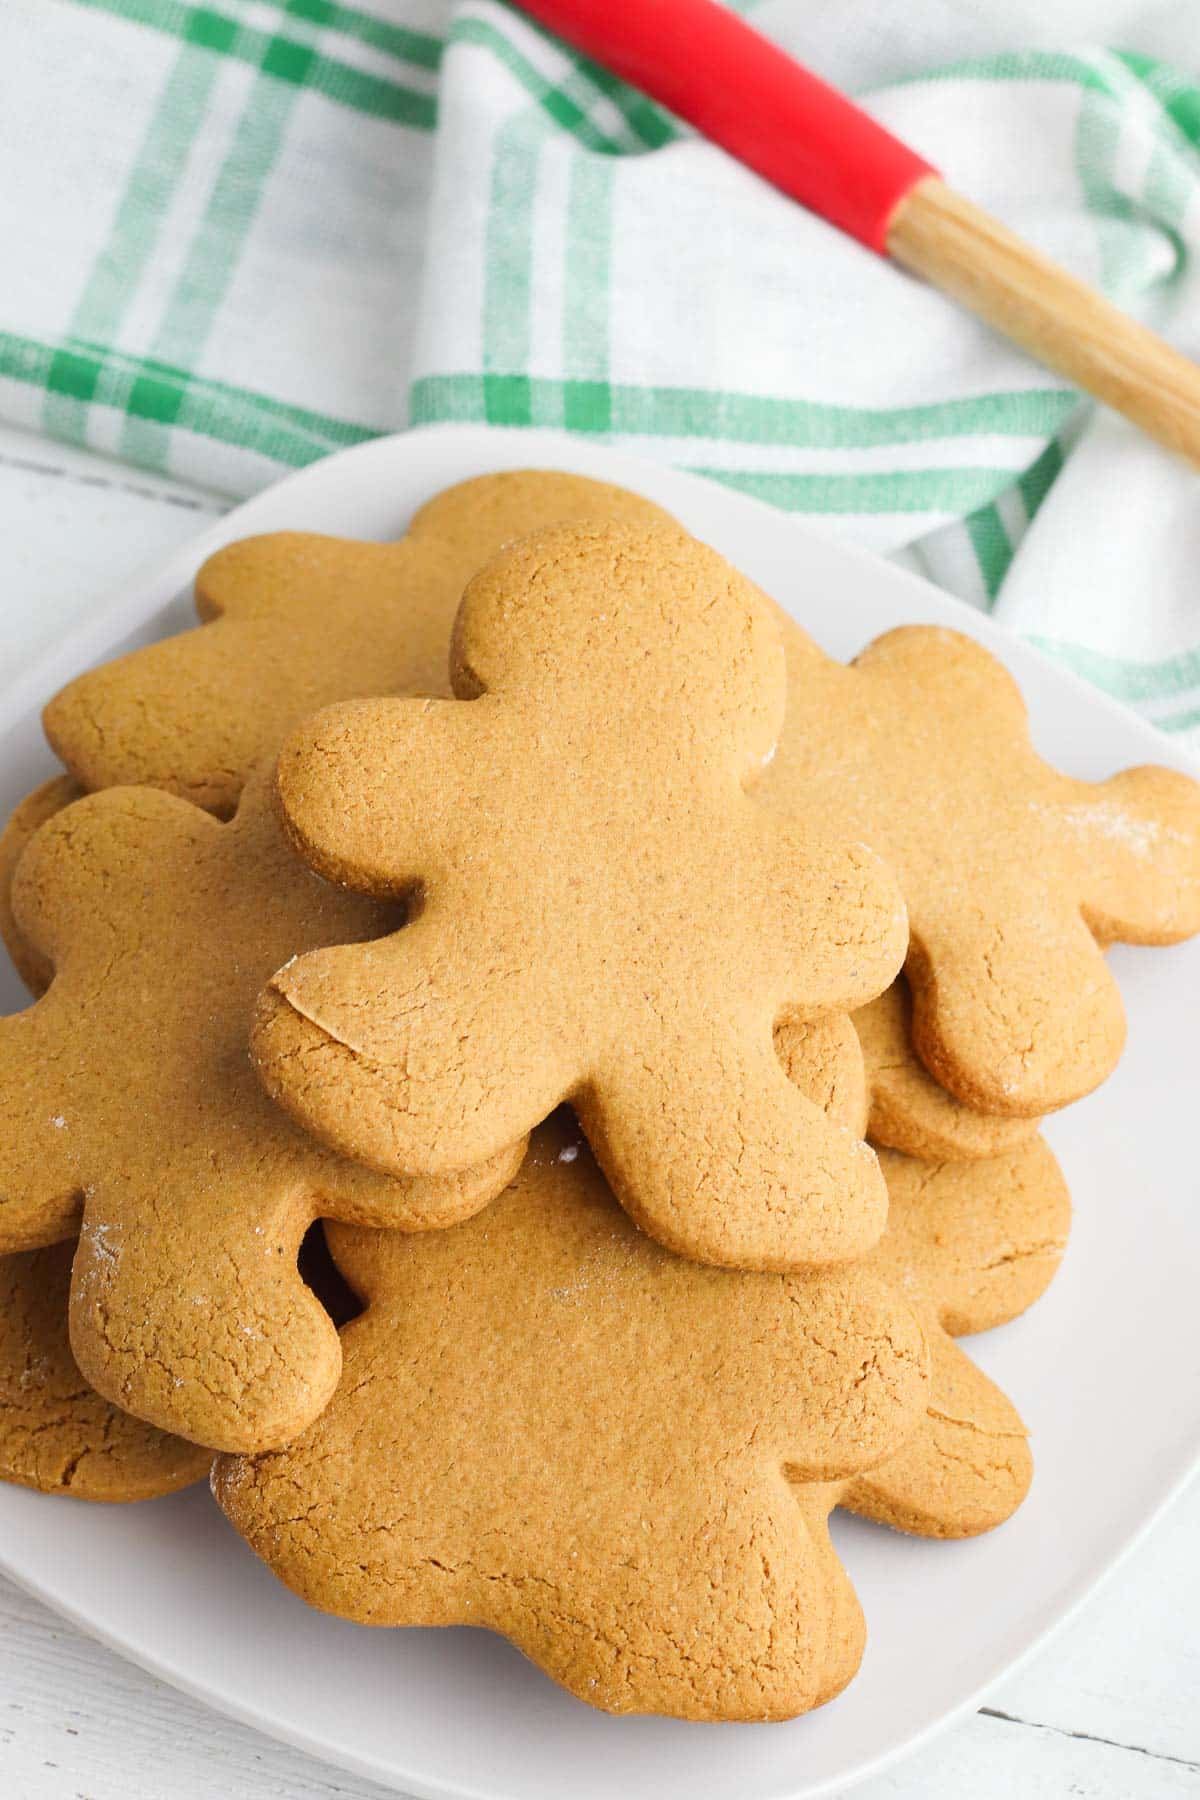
(532, 1066)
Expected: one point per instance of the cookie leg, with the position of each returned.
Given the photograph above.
(964, 1471)
(715, 1153)
(195, 1317)
(56, 1434)
(766, 1627)
(1016, 1020)
(846, 1629)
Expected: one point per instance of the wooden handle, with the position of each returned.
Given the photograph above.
(1063, 322)
(706, 64)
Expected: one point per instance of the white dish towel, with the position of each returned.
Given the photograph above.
(240, 233)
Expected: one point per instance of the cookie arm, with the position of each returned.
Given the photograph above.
(359, 1195)
(412, 1053)
(190, 715)
(41, 1176)
(824, 1059)
(372, 791)
(195, 713)
(831, 917)
(1139, 837)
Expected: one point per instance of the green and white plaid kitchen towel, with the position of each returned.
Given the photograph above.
(240, 234)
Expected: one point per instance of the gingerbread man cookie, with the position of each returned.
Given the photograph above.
(1014, 874)
(298, 620)
(56, 1433)
(605, 915)
(623, 1461)
(128, 1108)
(641, 1544)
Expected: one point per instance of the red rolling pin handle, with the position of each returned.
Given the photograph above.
(706, 65)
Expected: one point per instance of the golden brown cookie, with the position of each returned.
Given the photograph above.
(56, 1433)
(605, 917)
(977, 1241)
(298, 620)
(33, 811)
(1014, 875)
(552, 1427)
(127, 1101)
(890, 1095)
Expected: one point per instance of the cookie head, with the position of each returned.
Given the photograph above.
(601, 912)
(692, 638)
(34, 969)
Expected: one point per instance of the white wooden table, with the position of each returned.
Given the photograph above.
(1110, 1710)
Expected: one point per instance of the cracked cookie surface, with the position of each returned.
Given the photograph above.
(587, 1444)
(625, 1462)
(56, 1433)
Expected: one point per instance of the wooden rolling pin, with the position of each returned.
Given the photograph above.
(708, 66)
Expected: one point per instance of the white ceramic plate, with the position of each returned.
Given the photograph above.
(1106, 1369)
